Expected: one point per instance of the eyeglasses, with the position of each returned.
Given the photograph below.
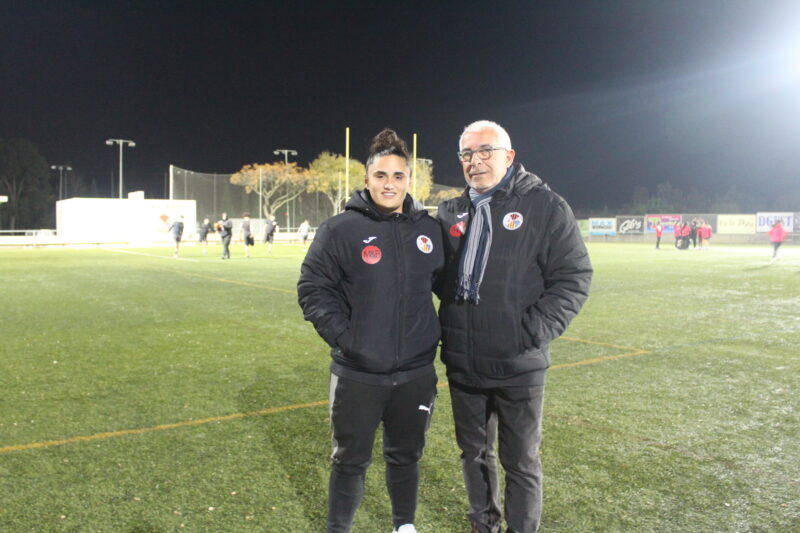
(483, 153)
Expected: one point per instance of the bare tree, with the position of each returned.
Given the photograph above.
(277, 183)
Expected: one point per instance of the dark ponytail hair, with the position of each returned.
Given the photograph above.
(387, 143)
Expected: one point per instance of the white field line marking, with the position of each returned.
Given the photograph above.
(162, 427)
(630, 352)
(271, 410)
(148, 255)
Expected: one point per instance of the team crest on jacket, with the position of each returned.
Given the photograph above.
(371, 255)
(424, 244)
(458, 229)
(512, 220)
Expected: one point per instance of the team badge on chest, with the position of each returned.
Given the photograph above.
(371, 255)
(424, 244)
(512, 220)
(458, 229)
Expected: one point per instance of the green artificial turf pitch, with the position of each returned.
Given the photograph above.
(141, 393)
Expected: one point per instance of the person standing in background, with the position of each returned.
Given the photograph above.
(176, 231)
(270, 228)
(776, 235)
(686, 233)
(225, 229)
(303, 231)
(205, 229)
(246, 234)
(659, 232)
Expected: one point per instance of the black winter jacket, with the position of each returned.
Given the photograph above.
(366, 286)
(537, 278)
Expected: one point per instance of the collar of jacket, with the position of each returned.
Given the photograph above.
(361, 201)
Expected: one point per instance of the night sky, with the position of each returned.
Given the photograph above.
(597, 96)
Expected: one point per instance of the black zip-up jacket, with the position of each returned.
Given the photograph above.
(366, 286)
(537, 278)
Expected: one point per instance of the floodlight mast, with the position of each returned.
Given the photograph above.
(121, 143)
(421, 160)
(61, 183)
(286, 153)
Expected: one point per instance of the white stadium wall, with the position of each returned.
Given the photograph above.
(110, 220)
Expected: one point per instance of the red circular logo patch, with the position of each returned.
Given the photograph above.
(458, 229)
(371, 255)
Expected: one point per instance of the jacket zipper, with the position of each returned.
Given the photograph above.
(400, 266)
(470, 351)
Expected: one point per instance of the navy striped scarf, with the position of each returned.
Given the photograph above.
(479, 244)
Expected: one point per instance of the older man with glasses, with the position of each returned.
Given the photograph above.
(517, 273)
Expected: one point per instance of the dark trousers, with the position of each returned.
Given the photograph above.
(356, 411)
(515, 415)
(658, 242)
(226, 247)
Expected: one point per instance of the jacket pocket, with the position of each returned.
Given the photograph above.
(345, 340)
(497, 333)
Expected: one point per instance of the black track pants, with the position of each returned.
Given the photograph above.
(356, 411)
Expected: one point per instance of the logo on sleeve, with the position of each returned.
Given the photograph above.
(424, 244)
(512, 220)
(371, 255)
(369, 239)
(458, 229)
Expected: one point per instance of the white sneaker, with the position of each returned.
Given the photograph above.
(405, 528)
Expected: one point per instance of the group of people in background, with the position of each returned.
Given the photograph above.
(224, 227)
(690, 233)
(698, 230)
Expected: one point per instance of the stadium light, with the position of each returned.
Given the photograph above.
(286, 153)
(61, 184)
(121, 143)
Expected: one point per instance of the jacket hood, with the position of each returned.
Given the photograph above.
(361, 201)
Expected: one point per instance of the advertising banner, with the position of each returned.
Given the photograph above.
(764, 221)
(796, 226)
(667, 222)
(630, 225)
(602, 226)
(736, 224)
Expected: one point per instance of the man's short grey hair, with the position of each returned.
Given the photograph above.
(503, 139)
